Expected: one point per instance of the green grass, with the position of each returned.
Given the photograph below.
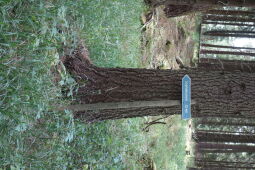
(167, 144)
(33, 35)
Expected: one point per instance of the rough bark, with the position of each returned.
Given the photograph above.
(230, 12)
(227, 52)
(224, 123)
(231, 35)
(215, 3)
(215, 92)
(183, 7)
(227, 23)
(226, 65)
(226, 18)
(204, 136)
(180, 10)
(228, 32)
(224, 164)
(224, 148)
(227, 47)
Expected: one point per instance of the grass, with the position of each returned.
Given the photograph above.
(33, 35)
(167, 144)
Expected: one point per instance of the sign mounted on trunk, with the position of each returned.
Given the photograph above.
(186, 97)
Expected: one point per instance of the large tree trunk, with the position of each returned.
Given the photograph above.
(183, 7)
(215, 92)
(179, 10)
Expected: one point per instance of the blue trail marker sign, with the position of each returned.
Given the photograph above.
(186, 97)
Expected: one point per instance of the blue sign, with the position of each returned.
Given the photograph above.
(186, 97)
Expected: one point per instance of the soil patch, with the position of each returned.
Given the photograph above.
(166, 41)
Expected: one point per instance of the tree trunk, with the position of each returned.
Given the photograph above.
(227, 23)
(222, 164)
(227, 47)
(215, 92)
(179, 10)
(227, 52)
(204, 136)
(223, 148)
(231, 35)
(214, 3)
(225, 123)
(226, 65)
(228, 32)
(230, 12)
(183, 7)
(226, 18)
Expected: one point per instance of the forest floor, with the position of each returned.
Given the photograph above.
(165, 43)
(166, 40)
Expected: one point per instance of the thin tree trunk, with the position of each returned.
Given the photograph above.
(224, 46)
(227, 167)
(214, 3)
(224, 164)
(231, 35)
(225, 132)
(226, 18)
(223, 148)
(227, 23)
(228, 32)
(230, 12)
(227, 52)
(204, 136)
(215, 92)
(224, 123)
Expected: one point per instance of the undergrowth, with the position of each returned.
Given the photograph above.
(34, 35)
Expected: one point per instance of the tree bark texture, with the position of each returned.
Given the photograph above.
(227, 18)
(223, 148)
(204, 164)
(240, 34)
(226, 47)
(230, 12)
(226, 23)
(215, 3)
(215, 92)
(228, 122)
(228, 32)
(204, 136)
(227, 52)
(180, 10)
